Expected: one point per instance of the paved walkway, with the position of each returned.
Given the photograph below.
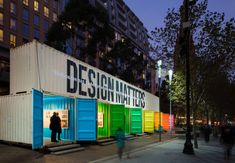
(171, 152)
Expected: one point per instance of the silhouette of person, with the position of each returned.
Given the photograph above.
(120, 138)
(59, 131)
(207, 132)
(53, 127)
(227, 138)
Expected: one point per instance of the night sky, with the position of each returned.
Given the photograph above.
(152, 12)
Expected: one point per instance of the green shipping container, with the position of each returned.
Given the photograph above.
(117, 118)
(103, 120)
(127, 121)
(136, 121)
(148, 121)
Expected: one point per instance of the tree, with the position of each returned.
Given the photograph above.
(82, 30)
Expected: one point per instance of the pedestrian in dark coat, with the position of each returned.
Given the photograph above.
(59, 130)
(207, 132)
(120, 138)
(227, 138)
(53, 127)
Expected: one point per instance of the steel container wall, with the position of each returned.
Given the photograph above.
(61, 103)
(104, 109)
(135, 120)
(117, 118)
(156, 120)
(16, 118)
(38, 66)
(148, 121)
(165, 121)
(127, 120)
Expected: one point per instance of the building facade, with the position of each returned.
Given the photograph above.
(22, 21)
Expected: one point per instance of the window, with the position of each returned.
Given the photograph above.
(13, 8)
(54, 17)
(25, 29)
(25, 40)
(36, 6)
(46, 1)
(36, 20)
(46, 11)
(1, 35)
(25, 14)
(36, 34)
(12, 40)
(13, 24)
(1, 18)
(26, 2)
(46, 25)
(1, 3)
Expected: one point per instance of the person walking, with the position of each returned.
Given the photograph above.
(53, 127)
(120, 138)
(59, 130)
(207, 132)
(227, 138)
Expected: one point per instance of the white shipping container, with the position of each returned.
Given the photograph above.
(38, 66)
(16, 118)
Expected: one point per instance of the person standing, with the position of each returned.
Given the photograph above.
(58, 125)
(53, 127)
(227, 138)
(120, 138)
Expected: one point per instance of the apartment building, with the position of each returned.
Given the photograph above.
(22, 21)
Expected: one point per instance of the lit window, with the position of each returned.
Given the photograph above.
(26, 14)
(46, 25)
(36, 34)
(12, 40)
(36, 20)
(25, 29)
(26, 2)
(46, 11)
(36, 6)
(1, 18)
(13, 24)
(1, 35)
(1, 3)
(13, 8)
(54, 17)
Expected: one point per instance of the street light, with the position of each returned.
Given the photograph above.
(170, 73)
(159, 64)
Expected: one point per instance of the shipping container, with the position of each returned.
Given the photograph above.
(103, 120)
(127, 120)
(38, 66)
(65, 106)
(117, 118)
(148, 121)
(165, 121)
(157, 119)
(21, 119)
(135, 120)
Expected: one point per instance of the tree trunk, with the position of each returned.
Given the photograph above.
(194, 128)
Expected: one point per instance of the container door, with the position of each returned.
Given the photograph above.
(136, 120)
(37, 119)
(148, 121)
(103, 119)
(117, 118)
(86, 119)
(127, 121)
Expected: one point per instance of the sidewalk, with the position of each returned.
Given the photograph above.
(171, 152)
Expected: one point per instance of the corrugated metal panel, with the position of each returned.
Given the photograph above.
(116, 118)
(127, 120)
(148, 121)
(156, 120)
(103, 108)
(16, 118)
(35, 65)
(86, 123)
(61, 103)
(136, 120)
(165, 121)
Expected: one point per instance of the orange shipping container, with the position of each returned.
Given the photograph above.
(165, 122)
(156, 120)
